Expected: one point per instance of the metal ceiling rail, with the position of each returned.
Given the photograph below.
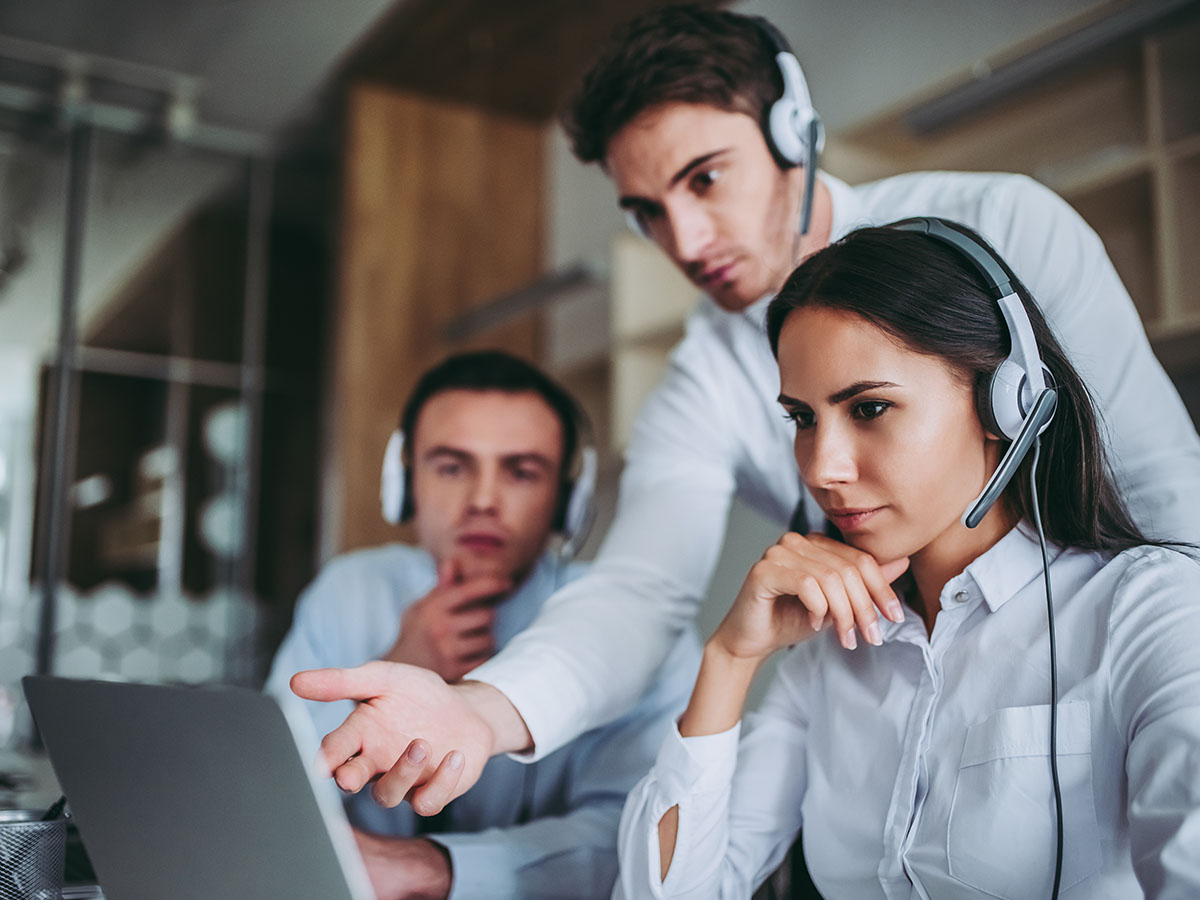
(170, 116)
(994, 84)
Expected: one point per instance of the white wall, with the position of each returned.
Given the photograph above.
(866, 56)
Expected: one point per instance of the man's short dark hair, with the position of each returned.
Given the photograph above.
(494, 370)
(676, 54)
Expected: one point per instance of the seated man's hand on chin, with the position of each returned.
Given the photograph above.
(425, 741)
(405, 868)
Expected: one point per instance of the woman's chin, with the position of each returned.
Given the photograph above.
(885, 548)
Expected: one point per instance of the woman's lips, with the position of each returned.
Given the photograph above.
(848, 520)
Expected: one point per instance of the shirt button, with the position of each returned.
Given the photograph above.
(961, 596)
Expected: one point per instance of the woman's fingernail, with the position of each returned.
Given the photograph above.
(818, 623)
(874, 635)
(417, 754)
(456, 760)
(895, 611)
(849, 641)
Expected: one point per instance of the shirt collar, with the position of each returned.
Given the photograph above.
(1008, 566)
(847, 207)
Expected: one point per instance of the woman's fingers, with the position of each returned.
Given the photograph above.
(861, 610)
(826, 586)
(837, 581)
(850, 586)
(876, 579)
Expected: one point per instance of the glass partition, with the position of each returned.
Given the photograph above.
(132, 339)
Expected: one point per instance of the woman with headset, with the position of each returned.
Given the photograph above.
(926, 728)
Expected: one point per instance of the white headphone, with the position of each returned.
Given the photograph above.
(1021, 398)
(794, 131)
(573, 521)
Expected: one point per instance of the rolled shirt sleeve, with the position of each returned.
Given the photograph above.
(739, 795)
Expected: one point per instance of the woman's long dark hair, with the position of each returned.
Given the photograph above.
(928, 296)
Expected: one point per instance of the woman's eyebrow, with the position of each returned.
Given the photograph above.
(843, 395)
(857, 388)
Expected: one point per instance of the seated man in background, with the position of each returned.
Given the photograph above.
(489, 445)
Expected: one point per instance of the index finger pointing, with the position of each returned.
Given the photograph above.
(360, 683)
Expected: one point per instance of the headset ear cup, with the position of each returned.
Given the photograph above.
(1000, 407)
(783, 133)
(983, 406)
(578, 511)
(1006, 399)
(790, 116)
(393, 482)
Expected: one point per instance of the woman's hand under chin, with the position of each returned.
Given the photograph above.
(803, 584)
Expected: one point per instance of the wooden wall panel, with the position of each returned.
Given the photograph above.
(442, 212)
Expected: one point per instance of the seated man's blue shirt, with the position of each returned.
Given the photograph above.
(524, 829)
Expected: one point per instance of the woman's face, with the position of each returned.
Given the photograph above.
(887, 439)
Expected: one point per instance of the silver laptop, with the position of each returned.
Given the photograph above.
(196, 793)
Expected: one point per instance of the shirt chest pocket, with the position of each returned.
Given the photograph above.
(1002, 827)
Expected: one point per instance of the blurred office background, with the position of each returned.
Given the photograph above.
(232, 234)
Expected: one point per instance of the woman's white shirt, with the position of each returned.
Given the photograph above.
(920, 768)
(713, 428)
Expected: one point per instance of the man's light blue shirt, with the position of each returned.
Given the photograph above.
(524, 830)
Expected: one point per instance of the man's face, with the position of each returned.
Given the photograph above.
(485, 477)
(707, 190)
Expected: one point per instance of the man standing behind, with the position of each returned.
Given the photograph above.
(489, 446)
(702, 119)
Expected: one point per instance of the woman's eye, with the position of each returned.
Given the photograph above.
(448, 470)
(526, 474)
(801, 418)
(870, 409)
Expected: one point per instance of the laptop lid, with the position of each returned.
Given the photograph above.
(196, 793)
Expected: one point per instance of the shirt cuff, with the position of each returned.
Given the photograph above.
(481, 867)
(697, 764)
(523, 682)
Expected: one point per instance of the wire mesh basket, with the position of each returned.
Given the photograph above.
(31, 856)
